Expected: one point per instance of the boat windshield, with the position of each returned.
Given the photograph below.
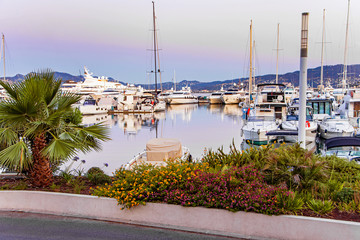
(90, 102)
(320, 107)
(261, 118)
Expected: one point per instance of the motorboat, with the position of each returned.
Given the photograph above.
(183, 96)
(343, 147)
(215, 97)
(321, 107)
(90, 105)
(158, 151)
(335, 127)
(292, 124)
(257, 126)
(272, 96)
(231, 96)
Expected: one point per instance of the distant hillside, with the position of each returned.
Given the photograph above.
(331, 74)
(63, 76)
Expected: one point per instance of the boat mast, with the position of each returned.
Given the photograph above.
(174, 81)
(254, 66)
(277, 55)
(155, 49)
(322, 56)
(3, 50)
(345, 52)
(158, 58)
(250, 74)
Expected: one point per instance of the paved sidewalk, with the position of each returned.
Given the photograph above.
(18, 225)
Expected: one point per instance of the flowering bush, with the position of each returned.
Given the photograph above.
(148, 183)
(236, 189)
(192, 184)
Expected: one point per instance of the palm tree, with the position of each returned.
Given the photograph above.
(39, 127)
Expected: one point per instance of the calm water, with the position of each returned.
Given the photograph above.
(197, 127)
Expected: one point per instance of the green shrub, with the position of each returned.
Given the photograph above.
(5, 187)
(21, 186)
(78, 185)
(345, 195)
(99, 178)
(94, 170)
(290, 202)
(350, 207)
(320, 207)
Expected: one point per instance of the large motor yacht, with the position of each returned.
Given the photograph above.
(182, 97)
(93, 85)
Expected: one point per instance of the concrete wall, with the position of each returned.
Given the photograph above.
(197, 219)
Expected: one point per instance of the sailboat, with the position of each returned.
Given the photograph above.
(339, 125)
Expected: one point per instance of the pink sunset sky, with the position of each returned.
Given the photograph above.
(202, 40)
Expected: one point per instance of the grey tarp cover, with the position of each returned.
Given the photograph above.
(159, 149)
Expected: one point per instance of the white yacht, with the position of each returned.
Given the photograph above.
(256, 127)
(89, 105)
(93, 85)
(292, 124)
(215, 97)
(336, 127)
(231, 96)
(182, 97)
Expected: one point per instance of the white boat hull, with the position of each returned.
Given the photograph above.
(183, 101)
(231, 99)
(215, 100)
(330, 128)
(93, 109)
(255, 132)
(255, 137)
(310, 131)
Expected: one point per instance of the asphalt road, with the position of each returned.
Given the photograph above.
(15, 225)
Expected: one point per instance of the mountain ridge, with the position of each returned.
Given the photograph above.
(331, 74)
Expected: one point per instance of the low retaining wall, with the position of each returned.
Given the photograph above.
(198, 219)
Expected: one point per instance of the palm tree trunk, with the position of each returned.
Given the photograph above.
(41, 174)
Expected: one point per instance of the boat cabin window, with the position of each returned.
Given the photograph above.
(320, 107)
(90, 102)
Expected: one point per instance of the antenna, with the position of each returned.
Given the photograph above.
(155, 48)
(345, 51)
(3, 50)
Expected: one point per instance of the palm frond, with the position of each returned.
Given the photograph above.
(16, 156)
(60, 149)
(8, 136)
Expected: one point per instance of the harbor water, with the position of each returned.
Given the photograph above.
(198, 127)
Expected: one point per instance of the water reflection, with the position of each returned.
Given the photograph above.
(197, 127)
(184, 110)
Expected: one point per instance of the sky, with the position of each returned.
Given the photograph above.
(204, 40)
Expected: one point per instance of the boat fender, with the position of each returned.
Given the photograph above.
(258, 131)
(307, 124)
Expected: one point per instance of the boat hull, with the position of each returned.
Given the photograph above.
(183, 101)
(231, 99)
(215, 100)
(257, 137)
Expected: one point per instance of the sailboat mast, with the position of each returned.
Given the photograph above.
(158, 58)
(174, 81)
(322, 55)
(277, 55)
(3, 48)
(155, 48)
(254, 65)
(250, 74)
(345, 52)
